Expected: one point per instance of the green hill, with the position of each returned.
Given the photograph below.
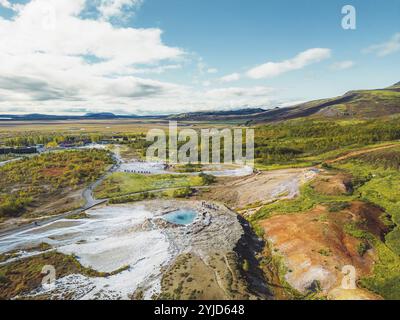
(354, 104)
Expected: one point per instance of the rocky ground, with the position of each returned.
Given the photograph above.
(142, 254)
(248, 194)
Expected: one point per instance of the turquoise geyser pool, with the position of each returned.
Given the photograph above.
(181, 217)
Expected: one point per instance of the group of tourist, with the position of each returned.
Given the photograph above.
(209, 206)
(138, 172)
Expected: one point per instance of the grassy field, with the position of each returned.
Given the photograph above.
(380, 177)
(305, 142)
(119, 183)
(379, 172)
(28, 185)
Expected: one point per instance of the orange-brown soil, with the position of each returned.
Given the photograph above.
(333, 184)
(315, 247)
(53, 172)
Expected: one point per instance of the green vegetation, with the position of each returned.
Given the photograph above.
(136, 197)
(338, 206)
(207, 179)
(78, 216)
(307, 200)
(325, 252)
(379, 181)
(385, 279)
(386, 274)
(189, 168)
(16, 253)
(33, 181)
(6, 157)
(167, 194)
(246, 266)
(56, 138)
(183, 193)
(304, 142)
(363, 247)
(119, 184)
(380, 176)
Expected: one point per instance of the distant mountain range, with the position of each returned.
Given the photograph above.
(353, 104)
(88, 116)
(217, 115)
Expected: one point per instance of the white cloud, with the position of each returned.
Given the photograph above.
(233, 92)
(343, 65)
(230, 77)
(115, 8)
(12, 6)
(149, 97)
(384, 49)
(303, 59)
(55, 57)
(55, 61)
(212, 70)
(158, 69)
(190, 99)
(203, 69)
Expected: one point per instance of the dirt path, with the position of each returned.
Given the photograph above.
(229, 268)
(360, 152)
(217, 278)
(3, 163)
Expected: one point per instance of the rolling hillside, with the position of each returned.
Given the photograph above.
(353, 104)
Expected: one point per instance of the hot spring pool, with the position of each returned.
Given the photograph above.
(181, 217)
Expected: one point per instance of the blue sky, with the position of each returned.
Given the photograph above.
(160, 56)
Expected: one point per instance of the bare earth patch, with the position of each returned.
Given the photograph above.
(315, 247)
(194, 278)
(333, 184)
(261, 188)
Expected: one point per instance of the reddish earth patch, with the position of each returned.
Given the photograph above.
(333, 185)
(53, 172)
(315, 247)
(369, 218)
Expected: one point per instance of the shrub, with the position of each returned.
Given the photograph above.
(207, 179)
(183, 193)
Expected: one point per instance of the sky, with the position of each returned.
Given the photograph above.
(170, 56)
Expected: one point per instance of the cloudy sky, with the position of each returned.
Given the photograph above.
(163, 56)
